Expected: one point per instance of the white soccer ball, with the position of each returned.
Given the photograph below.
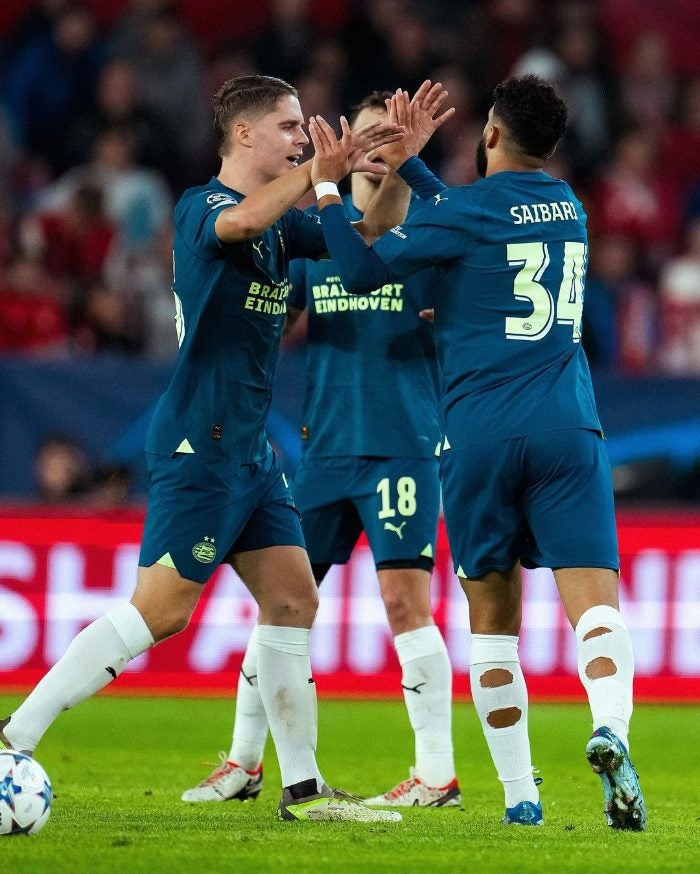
(25, 794)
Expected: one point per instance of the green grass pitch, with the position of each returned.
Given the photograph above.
(118, 766)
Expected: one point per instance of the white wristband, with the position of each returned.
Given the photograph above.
(326, 189)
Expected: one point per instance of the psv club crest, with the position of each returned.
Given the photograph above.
(205, 551)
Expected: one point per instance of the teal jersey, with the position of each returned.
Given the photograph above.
(372, 376)
(511, 251)
(231, 304)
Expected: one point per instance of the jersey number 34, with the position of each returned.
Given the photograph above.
(533, 259)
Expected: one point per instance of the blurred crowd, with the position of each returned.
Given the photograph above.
(105, 119)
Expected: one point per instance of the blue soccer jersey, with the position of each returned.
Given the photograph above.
(512, 252)
(372, 384)
(231, 303)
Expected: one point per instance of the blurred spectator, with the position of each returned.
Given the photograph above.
(107, 321)
(61, 470)
(680, 296)
(620, 316)
(282, 49)
(137, 198)
(126, 34)
(64, 475)
(635, 198)
(73, 243)
(168, 68)
(648, 85)
(48, 83)
(681, 139)
(490, 38)
(117, 105)
(33, 319)
(148, 274)
(110, 485)
(589, 90)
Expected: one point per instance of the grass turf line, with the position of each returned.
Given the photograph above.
(119, 765)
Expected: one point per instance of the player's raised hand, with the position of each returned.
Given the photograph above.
(424, 107)
(334, 158)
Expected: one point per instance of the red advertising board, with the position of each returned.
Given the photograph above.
(62, 568)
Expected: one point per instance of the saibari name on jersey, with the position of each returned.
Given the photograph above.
(533, 213)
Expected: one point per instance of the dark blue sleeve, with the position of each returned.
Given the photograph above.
(360, 268)
(417, 176)
(304, 235)
(297, 280)
(195, 217)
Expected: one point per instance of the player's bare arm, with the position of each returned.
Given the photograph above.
(266, 204)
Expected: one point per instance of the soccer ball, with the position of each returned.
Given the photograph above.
(25, 794)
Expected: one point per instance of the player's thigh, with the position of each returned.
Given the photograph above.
(486, 527)
(406, 596)
(569, 500)
(398, 500)
(270, 556)
(331, 525)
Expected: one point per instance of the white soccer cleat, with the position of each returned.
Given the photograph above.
(414, 793)
(226, 782)
(331, 805)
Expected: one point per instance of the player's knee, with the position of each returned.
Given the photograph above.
(504, 717)
(294, 609)
(168, 624)
(398, 609)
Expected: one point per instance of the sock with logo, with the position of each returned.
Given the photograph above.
(427, 691)
(250, 726)
(288, 693)
(93, 659)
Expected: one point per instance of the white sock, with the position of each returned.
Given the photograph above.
(610, 698)
(250, 726)
(510, 745)
(93, 659)
(427, 691)
(289, 695)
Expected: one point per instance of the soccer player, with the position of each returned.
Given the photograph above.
(524, 472)
(365, 466)
(217, 492)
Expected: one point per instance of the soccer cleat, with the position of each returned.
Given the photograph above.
(331, 805)
(414, 793)
(226, 782)
(624, 802)
(525, 813)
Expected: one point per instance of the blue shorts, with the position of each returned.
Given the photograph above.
(395, 500)
(545, 499)
(202, 512)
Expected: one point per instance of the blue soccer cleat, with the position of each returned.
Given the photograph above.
(624, 802)
(525, 813)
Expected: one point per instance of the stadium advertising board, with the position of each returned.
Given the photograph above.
(59, 570)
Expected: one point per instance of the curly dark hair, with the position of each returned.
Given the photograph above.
(253, 94)
(533, 112)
